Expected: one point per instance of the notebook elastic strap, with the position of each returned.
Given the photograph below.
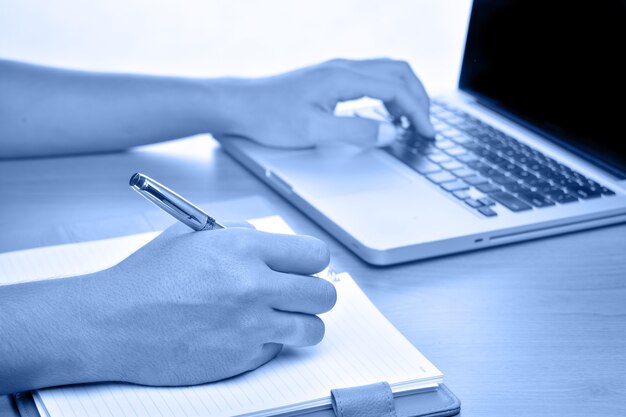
(375, 400)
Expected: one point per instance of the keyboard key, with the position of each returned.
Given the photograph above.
(461, 195)
(487, 188)
(440, 158)
(552, 192)
(430, 150)
(452, 165)
(424, 166)
(486, 201)
(483, 152)
(526, 176)
(496, 160)
(468, 157)
(454, 185)
(477, 165)
(475, 180)
(535, 199)
(585, 193)
(441, 177)
(539, 184)
(544, 172)
(463, 173)
(516, 188)
(507, 200)
(445, 144)
(502, 179)
(488, 171)
(473, 203)
(606, 191)
(515, 171)
(591, 183)
(487, 211)
(508, 167)
(471, 145)
(456, 151)
(568, 183)
(462, 139)
(564, 198)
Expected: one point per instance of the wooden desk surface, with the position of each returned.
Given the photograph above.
(532, 329)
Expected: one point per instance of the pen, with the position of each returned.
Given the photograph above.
(173, 203)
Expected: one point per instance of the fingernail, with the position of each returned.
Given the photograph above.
(388, 133)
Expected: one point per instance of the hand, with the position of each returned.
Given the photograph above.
(193, 307)
(296, 109)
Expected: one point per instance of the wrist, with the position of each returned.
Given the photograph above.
(225, 105)
(49, 332)
(84, 349)
(94, 327)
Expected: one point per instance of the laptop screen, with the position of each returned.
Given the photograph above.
(556, 66)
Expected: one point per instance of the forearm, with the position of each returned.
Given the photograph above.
(47, 336)
(48, 111)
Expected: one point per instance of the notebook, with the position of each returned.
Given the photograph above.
(360, 347)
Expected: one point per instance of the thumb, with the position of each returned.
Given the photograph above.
(359, 131)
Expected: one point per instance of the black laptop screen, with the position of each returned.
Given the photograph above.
(556, 66)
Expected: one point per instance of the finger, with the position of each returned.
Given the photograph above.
(296, 329)
(393, 69)
(294, 253)
(352, 85)
(302, 294)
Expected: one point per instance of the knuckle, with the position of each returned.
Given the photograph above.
(251, 326)
(404, 65)
(336, 62)
(249, 290)
(333, 75)
(243, 239)
(256, 322)
(285, 329)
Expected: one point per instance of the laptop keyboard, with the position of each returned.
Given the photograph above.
(489, 171)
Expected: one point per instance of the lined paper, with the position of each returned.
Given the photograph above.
(360, 347)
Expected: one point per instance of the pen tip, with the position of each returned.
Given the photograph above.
(136, 180)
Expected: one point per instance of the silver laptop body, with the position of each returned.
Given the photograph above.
(379, 204)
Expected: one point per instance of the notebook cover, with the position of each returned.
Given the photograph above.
(437, 403)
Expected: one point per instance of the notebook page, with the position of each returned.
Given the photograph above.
(360, 347)
(68, 259)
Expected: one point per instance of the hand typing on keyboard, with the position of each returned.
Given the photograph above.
(296, 109)
(487, 170)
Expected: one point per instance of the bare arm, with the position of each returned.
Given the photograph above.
(51, 111)
(56, 111)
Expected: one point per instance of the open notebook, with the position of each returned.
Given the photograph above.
(360, 347)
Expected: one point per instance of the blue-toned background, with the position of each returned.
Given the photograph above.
(235, 37)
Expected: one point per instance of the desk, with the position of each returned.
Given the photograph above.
(532, 329)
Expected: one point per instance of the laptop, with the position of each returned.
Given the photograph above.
(531, 144)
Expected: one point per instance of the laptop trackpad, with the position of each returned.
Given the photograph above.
(337, 170)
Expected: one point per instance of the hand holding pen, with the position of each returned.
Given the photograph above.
(221, 302)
